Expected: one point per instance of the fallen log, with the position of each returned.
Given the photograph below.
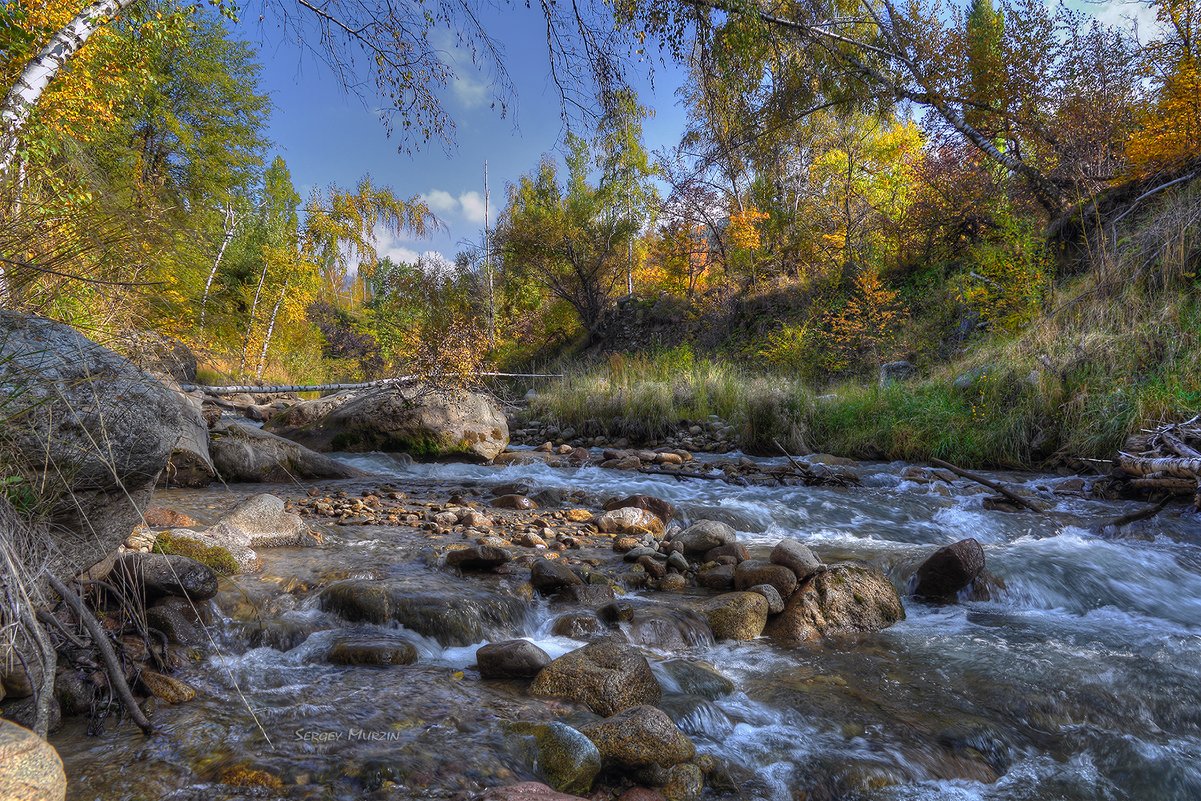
(1141, 514)
(1166, 466)
(251, 389)
(986, 482)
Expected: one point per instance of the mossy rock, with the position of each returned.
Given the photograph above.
(216, 558)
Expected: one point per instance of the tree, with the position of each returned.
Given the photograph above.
(567, 237)
(626, 165)
(341, 227)
(1168, 131)
(862, 331)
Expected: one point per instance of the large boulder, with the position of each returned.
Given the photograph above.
(605, 676)
(30, 769)
(159, 355)
(638, 737)
(844, 599)
(86, 427)
(411, 420)
(265, 521)
(244, 453)
(949, 570)
(190, 464)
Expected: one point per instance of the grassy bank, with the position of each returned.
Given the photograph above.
(1074, 385)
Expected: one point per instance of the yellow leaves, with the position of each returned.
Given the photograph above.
(1169, 132)
(743, 229)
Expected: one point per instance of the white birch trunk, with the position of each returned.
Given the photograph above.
(254, 308)
(32, 82)
(258, 374)
(231, 226)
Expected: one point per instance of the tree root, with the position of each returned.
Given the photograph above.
(116, 676)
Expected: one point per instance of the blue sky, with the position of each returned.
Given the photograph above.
(329, 136)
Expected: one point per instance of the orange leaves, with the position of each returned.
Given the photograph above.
(862, 331)
(743, 230)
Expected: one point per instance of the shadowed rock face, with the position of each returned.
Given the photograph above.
(401, 419)
(949, 570)
(97, 431)
(243, 453)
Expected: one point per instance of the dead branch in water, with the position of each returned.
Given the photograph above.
(986, 482)
(116, 676)
(683, 474)
(1141, 514)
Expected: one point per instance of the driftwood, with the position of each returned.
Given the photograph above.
(116, 676)
(814, 478)
(1165, 459)
(1141, 514)
(683, 474)
(986, 482)
(402, 380)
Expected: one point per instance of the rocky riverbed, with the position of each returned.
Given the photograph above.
(454, 630)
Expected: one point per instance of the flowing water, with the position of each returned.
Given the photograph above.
(1080, 679)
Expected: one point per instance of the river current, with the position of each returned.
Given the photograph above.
(1079, 679)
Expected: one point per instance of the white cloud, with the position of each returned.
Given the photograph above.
(440, 201)
(473, 206)
(471, 91)
(1129, 15)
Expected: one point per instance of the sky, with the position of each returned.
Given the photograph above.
(329, 136)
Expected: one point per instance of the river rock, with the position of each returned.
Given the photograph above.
(549, 576)
(478, 557)
(605, 676)
(630, 520)
(844, 599)
(705, 535)
(89, 429)
(565, 757)
(412, 419)
(735, 551)
(267, 523)
(527, 791)
(514, 501)
(167, 689)
(454, 616)
(775, 604)
(639, 736)
(656, 506)
(737, 615)
(179, 619)
(159, 574)
(753, 572)
(30, 769)
(371, 650)
(511, 659)
(796, 557)
(578, 626)
(949, 570)
(698, 678)
(244, 453)
(720, 577)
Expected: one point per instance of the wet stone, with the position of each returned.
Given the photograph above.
(511, 659)
(368, 650)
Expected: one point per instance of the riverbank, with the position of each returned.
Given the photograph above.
(1034, 691)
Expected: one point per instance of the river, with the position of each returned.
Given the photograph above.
(1079, 679)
